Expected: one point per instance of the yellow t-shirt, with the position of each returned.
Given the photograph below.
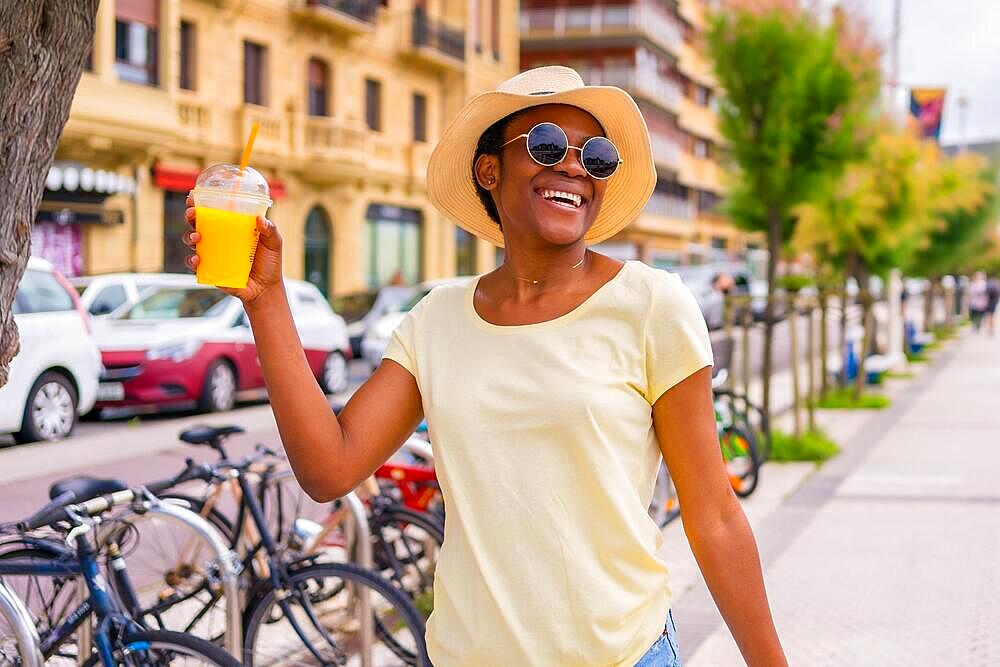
(544, 447)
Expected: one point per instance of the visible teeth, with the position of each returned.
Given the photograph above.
(569, 196)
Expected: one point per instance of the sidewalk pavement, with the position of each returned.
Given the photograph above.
(888, 554)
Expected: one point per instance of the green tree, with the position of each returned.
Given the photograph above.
(787, 114)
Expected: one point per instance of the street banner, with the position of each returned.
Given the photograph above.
(926, 107)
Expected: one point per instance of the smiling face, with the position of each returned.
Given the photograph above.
(537, 204)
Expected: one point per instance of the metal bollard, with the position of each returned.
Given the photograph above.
(363, 542)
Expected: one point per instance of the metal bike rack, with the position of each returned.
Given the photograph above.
(419, 447)
(13, 609)
(229, 569)
(229, 566)
(363, 542)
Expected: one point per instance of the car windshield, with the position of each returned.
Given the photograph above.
(353, 307)
(408, 306)
(172, 303)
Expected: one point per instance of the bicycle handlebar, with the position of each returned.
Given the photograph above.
(60, 508)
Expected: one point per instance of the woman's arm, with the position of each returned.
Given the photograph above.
(330, 456)
(714, 523)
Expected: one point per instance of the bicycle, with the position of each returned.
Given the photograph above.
(119, 637)
(297, 609)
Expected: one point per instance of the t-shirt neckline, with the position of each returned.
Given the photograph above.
(565, 318)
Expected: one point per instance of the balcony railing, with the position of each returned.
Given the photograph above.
(326, 136)
(670, 207)
(666, 151)
(362, 10)
(430, 33)
(645, 82)
(646, 18)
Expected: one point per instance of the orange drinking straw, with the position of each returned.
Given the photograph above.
(248, 149)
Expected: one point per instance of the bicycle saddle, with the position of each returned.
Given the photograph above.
(85, 487)
(204, 435)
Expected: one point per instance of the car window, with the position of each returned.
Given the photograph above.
(107, 300)
(353, 307)
(409, 305)
(178, 302)
(40, 292)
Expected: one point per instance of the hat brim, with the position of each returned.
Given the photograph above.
(449, 171)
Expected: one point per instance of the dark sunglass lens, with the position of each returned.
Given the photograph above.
(547, 144)
(600, 157)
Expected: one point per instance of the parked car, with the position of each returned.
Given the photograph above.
(376, 338)
(701, 279)
(104, 294)
(190, 345)
(53, 379)
(363, 309)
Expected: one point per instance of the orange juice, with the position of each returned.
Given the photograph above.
(227, 246)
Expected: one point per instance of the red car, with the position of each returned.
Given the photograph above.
(186, 346)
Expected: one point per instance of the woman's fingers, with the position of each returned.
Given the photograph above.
(189, 201)
(193, 261)
(191, 238)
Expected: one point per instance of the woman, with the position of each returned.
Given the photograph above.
(551, 387)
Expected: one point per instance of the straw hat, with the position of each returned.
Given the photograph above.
(449, 172)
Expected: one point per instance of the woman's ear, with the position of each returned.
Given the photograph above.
(488, 171)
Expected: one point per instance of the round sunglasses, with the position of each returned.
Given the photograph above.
(548, 146)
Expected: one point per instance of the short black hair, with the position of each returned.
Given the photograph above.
(490, 142)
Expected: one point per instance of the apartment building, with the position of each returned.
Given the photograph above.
(351, 96)
(653, 49)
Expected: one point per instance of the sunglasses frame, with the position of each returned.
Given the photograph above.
(566, 152)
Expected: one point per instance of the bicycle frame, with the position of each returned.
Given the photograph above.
(99, 600)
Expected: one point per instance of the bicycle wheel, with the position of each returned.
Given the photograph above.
(49, 600)
(175, 573)
(742, 460)
(316, 621)
(664, 507)
(153, 648)
(405, 548)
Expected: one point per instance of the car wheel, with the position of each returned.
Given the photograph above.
(219, 392)
(334, 375)
(50, 411)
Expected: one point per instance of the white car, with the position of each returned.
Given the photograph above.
(184, 345)
(104, 294)
(377, 336)
(53, 379)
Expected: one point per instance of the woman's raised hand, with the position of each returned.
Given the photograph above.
(266, 270)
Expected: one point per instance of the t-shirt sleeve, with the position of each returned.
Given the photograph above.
(402, 344)
(677, 342)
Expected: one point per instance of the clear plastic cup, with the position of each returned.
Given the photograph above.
(227, 203)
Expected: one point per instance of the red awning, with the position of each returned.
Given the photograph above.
(178, 179)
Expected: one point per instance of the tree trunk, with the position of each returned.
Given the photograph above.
(866, 321)
(824, 344)
(811, 352)
(793, 342)
(929, 305)
(43, 46)
(774, 252)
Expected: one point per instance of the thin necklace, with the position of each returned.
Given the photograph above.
(536, 282)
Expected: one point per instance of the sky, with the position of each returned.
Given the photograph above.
(947, 44)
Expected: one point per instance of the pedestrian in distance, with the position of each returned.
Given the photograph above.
(992, 301)
(979, 299)
(551, 385)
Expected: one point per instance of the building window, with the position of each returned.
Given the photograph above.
(708, 202)
(188, 56)
(702, 95)
(719, 243)
(318, 88)
(254, 73)
(701, 148)
(136, 41)
(393, 245)
(475, 24)
(373, 104)
(465, 253)
(317, 249)
(174, 226)
(495, 28)
(419, 117)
